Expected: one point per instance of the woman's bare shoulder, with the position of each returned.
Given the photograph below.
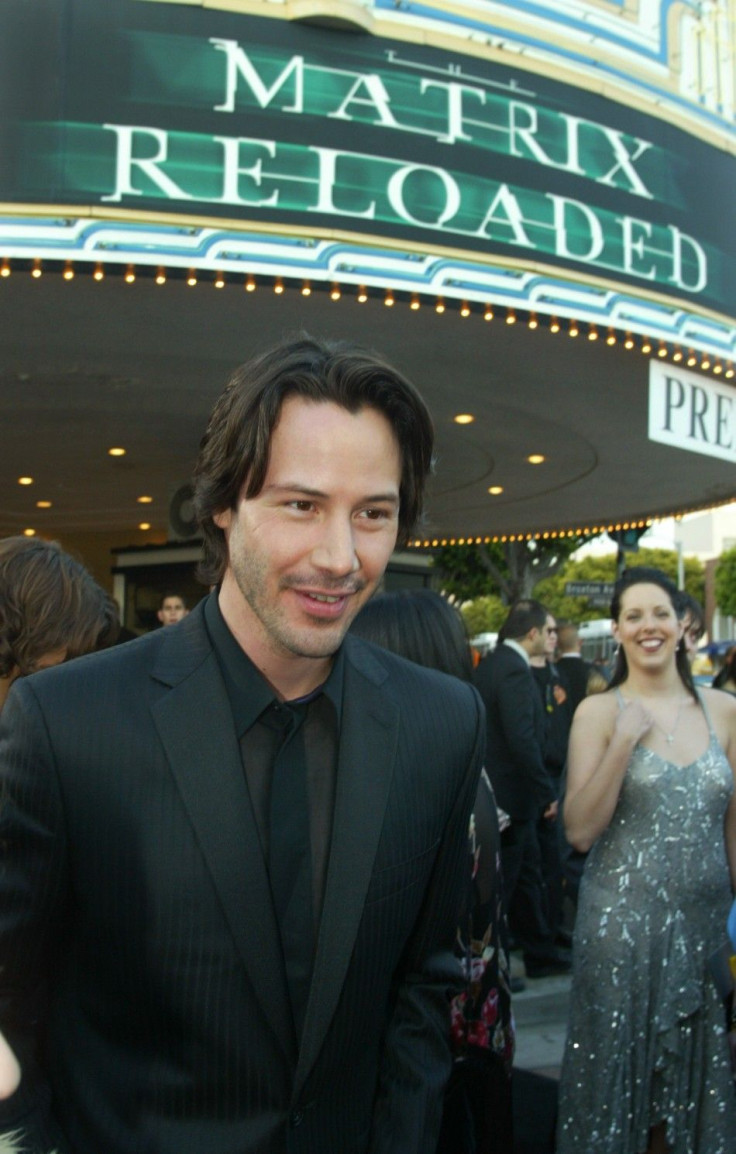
(597, 706)
(719, 704)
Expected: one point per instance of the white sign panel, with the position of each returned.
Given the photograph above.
(690, 411)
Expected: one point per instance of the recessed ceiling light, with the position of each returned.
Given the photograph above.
(29, 532)
(144, 525)
(463, 419)
(25, 480)
(43, 504)
(144, 500)
(495, 490)
(116, 452)
(536, 459)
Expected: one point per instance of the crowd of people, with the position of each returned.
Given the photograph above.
(263, 868)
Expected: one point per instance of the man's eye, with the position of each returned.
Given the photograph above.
(301, 506)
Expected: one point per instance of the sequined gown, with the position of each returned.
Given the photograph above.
(646, 1039)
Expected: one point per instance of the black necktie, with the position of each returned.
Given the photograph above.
(289, 855)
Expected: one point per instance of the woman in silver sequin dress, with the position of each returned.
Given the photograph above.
(651, 790)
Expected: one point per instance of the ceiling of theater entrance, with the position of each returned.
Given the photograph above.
(86, 366)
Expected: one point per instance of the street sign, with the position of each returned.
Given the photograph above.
(603, 590)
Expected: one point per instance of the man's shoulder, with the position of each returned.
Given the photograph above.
(126, 664)
(403, 677)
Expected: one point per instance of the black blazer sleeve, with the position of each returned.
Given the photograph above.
(32, 901)
(416, 1059)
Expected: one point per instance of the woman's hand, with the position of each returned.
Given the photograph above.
(633, 721)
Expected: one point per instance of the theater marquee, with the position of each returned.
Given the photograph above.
(269, 122)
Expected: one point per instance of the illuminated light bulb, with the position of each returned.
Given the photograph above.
(414, 304)
(130, 275)
(533, 323)
(99, 273)
(646, 346)
(611, 338)
(592, 333)
(465, 309)
(160, 277)
(219, 280)
(677, 355)
(116, 452)
(536, 459)
(5, 267)
(36, 270)
(389, 299)
(729, 371)
(306, 289)
(144, 500)
(573, 329)
(25, 480)
(68, 273)
(335, 293)
(43, 504)
(495, 490)
(554, 325)
(629, 341)
(488, 313)
(29, 532)
(510, 317)
(463, 418)
(250, 285)
(662, 350)
(692, 360)
(278, 287)
(145, 526)
(440, 306)
(362, 295)
(191, 278)
(705, 363)
(718, 368)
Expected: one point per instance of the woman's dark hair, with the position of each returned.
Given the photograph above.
(49, 601)
(727, 672)
(234, 451)
(420, 625)
(644, 575)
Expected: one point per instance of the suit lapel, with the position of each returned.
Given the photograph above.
(367, 752)
(195, 723)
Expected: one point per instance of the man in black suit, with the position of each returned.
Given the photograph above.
(574, 669)
(234, 848)
(515, 761)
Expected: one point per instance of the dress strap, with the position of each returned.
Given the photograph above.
(619, 698)
(706, 714)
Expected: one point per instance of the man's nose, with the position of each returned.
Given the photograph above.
(335, 550)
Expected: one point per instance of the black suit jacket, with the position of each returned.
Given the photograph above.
(142, 980)
(575, 672)
(515, 734)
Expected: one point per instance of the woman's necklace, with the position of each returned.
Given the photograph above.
(670, 737)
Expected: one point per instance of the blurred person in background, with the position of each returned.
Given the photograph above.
(172, 609)
(51, 609)
(425, 628)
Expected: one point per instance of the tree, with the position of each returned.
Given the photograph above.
(603, 568)
(725, 583)
(512, 568)
(484, 615)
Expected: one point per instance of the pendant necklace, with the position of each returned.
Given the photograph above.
(670, 737)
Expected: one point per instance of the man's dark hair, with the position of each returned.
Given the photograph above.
(644, 575)
(420, 625)
(523, 616)
(234, 450)
(49, 601)
(686, 604)
(165, 597)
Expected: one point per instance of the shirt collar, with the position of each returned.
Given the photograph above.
(247, 689)
(517, 649)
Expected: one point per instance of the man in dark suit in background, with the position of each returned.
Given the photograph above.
(234, 849)
(574, 670)
(515, 762)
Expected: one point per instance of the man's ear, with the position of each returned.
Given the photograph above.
(160, 615)
(223, 519)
